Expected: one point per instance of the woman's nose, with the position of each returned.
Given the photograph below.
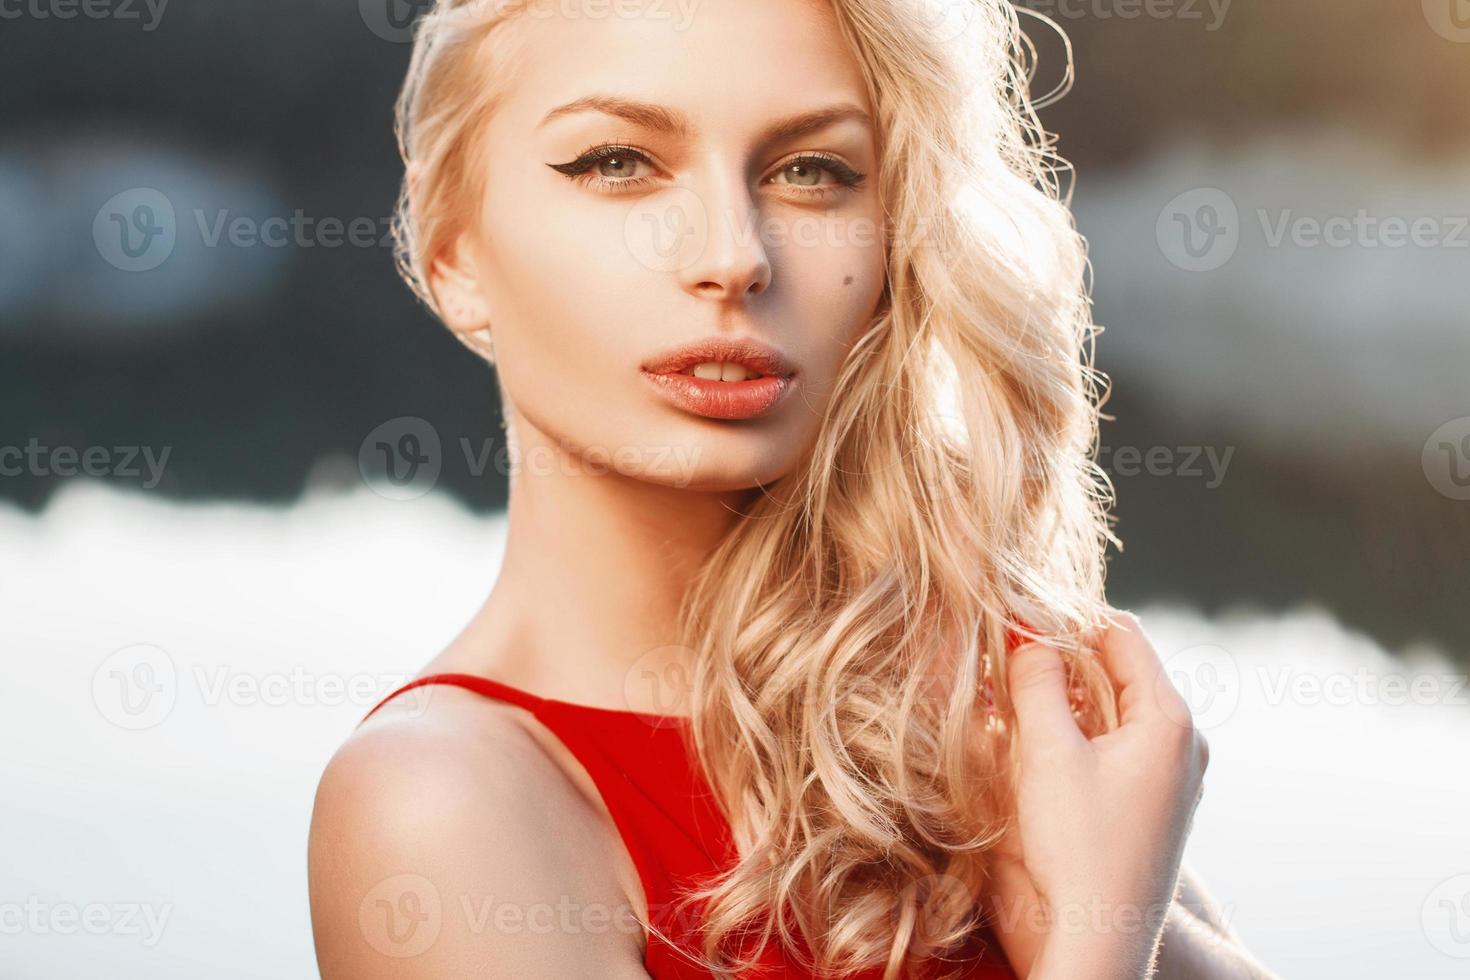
(727, 259)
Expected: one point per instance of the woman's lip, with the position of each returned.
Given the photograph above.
(720, 399)
(748, 352)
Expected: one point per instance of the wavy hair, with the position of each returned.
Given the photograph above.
(848, 696)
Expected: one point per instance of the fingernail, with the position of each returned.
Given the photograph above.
(1015, 639)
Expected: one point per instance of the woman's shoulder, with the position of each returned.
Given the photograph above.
(444, 838)
(441, 746)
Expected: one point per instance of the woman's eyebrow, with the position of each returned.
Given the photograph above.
(663, 119)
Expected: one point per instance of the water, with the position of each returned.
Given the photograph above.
(180, 819)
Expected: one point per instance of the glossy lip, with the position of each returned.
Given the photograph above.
(752, 354)
(669, 374)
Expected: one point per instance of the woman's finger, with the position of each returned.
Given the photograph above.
(1145, 693)
(1037, 681)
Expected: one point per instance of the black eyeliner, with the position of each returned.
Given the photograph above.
(589, 158)
(592, 156)
(845, 174)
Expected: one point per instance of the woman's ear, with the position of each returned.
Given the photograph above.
(455, 284)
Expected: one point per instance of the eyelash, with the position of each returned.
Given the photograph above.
(579, 171)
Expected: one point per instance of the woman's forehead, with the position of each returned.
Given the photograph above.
(716, 61)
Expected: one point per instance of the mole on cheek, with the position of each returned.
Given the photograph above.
(847, 281)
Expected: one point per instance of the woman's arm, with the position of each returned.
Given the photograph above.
(1187, 949)
(1101, 826)
(1195, 943)
(1198, 943)
(1196, 900)
(446, 848)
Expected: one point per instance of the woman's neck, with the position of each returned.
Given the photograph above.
(585, 607)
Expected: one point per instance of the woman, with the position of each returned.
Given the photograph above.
(789, 322)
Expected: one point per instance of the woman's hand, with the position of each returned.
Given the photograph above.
(1083, 885)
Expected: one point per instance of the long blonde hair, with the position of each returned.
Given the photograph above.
(849, 705)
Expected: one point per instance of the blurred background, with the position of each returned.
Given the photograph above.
(205, 580)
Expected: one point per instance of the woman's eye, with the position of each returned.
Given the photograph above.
(607, 166)
(618, 168)
(805, 173)
(623, 166)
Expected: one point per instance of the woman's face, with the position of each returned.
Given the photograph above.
(741, 204)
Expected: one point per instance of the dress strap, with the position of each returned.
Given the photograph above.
(480, 685)
(644, 770)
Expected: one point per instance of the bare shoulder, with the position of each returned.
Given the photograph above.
(446, 842)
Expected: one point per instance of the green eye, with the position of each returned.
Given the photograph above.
(616, 163)
(803, 175)
(806, 172)
(617, 166)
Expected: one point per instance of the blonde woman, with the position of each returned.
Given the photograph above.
(790, 325)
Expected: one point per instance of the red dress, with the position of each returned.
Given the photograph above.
(664, 813)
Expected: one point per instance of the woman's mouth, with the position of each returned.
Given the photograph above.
(702, 391)
(722, 378)
(721, 371)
